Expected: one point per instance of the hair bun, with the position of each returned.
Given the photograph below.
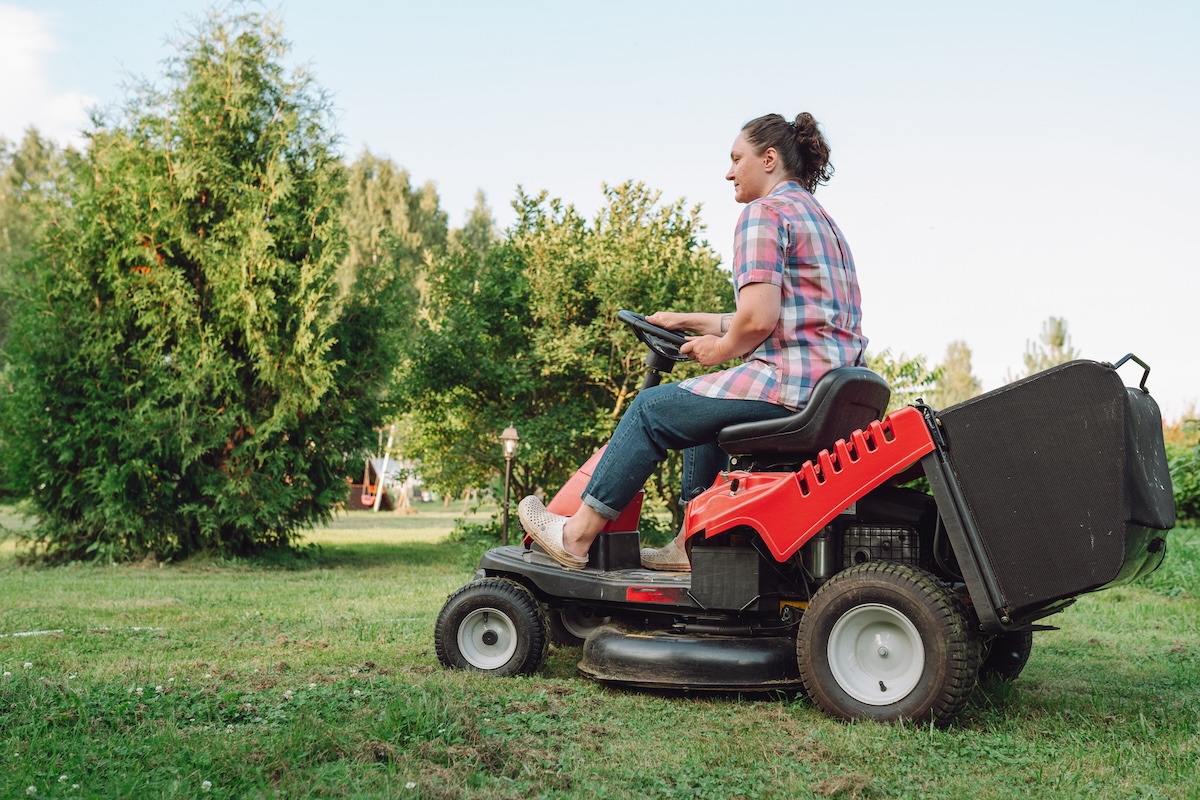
(800, 142)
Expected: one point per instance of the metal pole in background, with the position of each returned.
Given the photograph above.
(507, 481)
(510, 441)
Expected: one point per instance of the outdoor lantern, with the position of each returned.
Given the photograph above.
(510, 441)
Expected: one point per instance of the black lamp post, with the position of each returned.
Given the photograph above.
(510, 441)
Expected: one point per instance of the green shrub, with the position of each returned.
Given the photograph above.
(1185, 479)
(1179, 575)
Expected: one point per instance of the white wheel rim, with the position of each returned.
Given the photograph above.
(876, 654)
(580, 622)
(487, 638)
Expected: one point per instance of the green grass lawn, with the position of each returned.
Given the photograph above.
(317, 678)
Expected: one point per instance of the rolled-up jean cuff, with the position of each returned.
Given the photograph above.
(605, 511)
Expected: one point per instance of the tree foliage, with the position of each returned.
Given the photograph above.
(32, 173)
(1053, 348)
(910, 377)
(391, 223)
(1183, 456)
(186, 377)
(524, 331)
(956, 382)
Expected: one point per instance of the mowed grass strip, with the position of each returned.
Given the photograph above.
(316, 677)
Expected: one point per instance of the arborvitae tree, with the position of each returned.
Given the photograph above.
(178, 362)
(957, 383)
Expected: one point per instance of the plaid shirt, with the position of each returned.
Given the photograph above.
(787, 239)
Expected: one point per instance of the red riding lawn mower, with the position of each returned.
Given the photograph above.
(813, 569)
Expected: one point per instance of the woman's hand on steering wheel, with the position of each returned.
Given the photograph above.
(705, 349)
(671, 320)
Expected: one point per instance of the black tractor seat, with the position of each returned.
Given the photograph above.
(843, 401)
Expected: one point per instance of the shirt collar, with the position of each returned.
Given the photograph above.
(786, 186)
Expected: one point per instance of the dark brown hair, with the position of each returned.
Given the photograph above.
(800, 144)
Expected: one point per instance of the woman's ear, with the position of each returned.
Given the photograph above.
(770, 159)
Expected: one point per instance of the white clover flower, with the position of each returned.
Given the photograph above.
(140, 690)
(7, 674)
(74, 786)
(410, 785)
(170, 680)
(287, 695)
(29, 665)
(62, 778)
(208, 674)
(31, 791)
(357, 693)
(311, 685)
(71, 677)
(158, 689)
(206, 786)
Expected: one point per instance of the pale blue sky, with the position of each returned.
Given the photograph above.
(996, 164)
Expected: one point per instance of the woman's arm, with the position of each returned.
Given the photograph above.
(698, 323)
(727, 336)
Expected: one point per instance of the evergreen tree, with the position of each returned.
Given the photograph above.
(1055, 348)
(957, 383)
(32, 173)
(182, 379)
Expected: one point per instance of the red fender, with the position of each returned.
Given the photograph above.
(789, 508)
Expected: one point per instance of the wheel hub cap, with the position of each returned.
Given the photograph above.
(875, 654)
(487, 638)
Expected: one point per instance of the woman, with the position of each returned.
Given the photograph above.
(797, 318)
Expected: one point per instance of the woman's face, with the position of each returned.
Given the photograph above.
(753, 174)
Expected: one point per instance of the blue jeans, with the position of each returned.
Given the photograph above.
(662, 418)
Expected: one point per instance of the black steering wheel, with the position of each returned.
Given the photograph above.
(660, 340)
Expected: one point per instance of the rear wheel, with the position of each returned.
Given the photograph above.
(887, 642)
(491, 625)
(1007, 654)
(571, 624)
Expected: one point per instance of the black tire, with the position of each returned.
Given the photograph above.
(491, 625)
(571, 624)
(1007, 654)
(878, 611)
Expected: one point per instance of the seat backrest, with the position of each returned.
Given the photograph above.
(844, 400)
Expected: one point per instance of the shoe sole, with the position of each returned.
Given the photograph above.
(568, 560)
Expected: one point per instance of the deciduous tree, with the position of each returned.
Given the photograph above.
(910, 377)
(527, 333)
(956, 382)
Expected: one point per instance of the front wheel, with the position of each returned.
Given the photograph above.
(491, 625)
(887, 642)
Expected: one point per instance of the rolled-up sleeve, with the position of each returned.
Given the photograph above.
(758, 246)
